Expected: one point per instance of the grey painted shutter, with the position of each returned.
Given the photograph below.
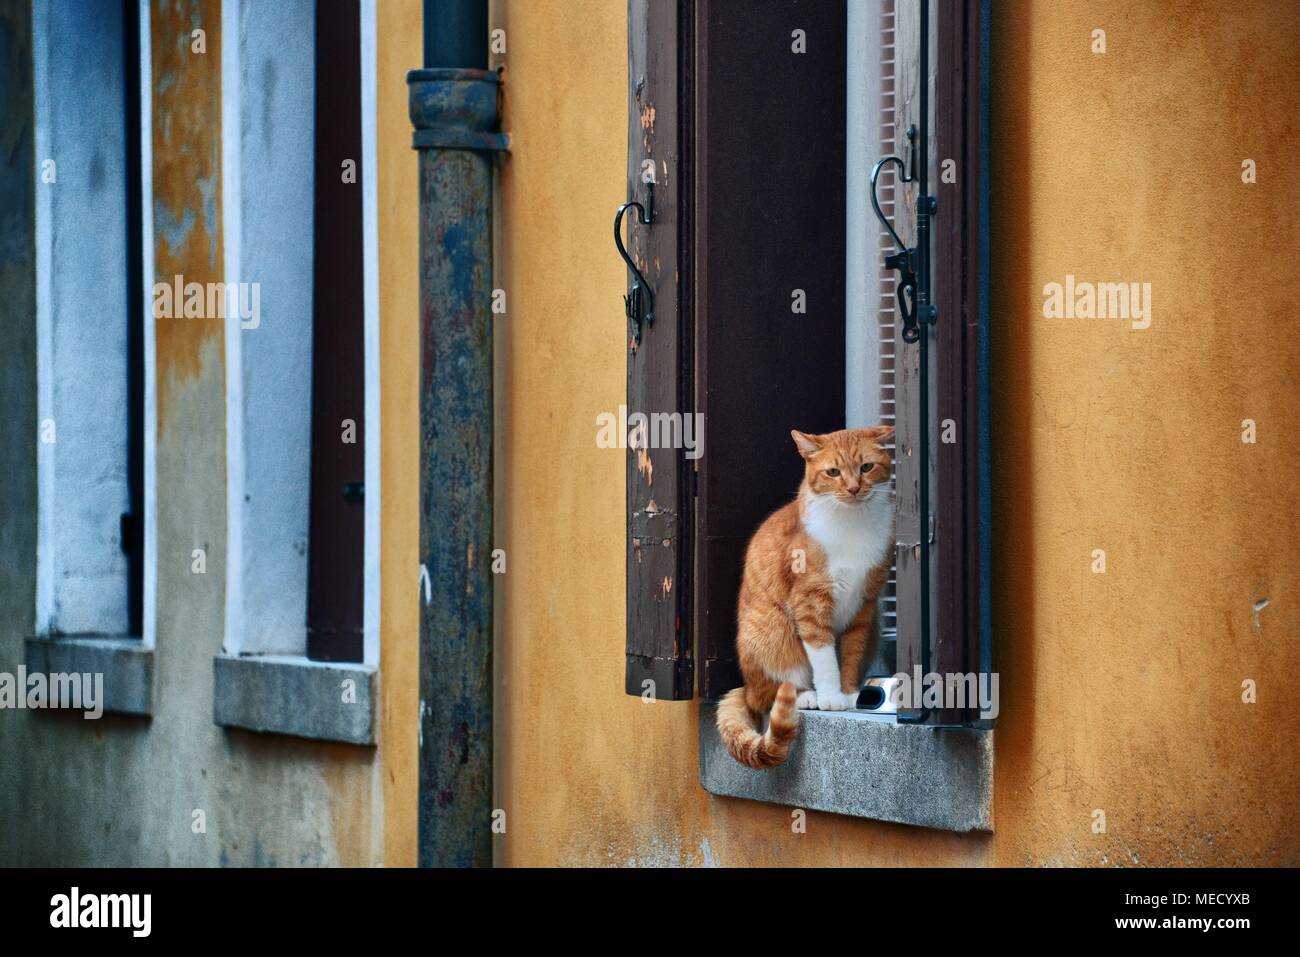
(958, 388)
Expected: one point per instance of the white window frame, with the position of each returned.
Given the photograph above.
(263, 680)
(267, 219)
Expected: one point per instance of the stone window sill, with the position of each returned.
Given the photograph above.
(125, 662)
(280, 694)
(867, 766)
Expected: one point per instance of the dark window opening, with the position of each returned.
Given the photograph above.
(133, 519)
(769, 199)
(335, 579)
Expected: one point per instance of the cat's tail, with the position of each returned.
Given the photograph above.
(742, 739)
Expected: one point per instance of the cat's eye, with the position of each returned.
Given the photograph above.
(833, 473)
(867, 467)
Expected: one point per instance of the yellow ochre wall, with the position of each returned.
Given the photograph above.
(1121, 691)
(399, 33)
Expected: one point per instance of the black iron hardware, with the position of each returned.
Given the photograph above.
(632, 302)
(911, 307)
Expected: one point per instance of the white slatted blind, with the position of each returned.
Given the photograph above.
(869, 321)
(888, 278)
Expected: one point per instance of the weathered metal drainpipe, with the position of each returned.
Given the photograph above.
(453, 105)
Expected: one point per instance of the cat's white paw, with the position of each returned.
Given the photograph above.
(806, 701)
(833, 701)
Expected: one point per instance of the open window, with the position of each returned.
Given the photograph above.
(773, 309)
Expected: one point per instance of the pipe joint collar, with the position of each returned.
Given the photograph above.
(455, 109)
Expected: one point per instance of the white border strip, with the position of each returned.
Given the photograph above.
(150, 616)
(231, 230)
(44, 325)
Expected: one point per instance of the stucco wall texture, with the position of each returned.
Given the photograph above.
(1121, 691)
(123, 791)
(399, 29)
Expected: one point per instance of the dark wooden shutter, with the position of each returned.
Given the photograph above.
(659, 491)
(771, 186)
(962, 639)
(959, 638)
(335, 582)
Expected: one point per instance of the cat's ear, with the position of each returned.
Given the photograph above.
(808, 445)
(877, 433)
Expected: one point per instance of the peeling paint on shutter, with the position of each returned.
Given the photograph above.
(959, 634)
(660, 657)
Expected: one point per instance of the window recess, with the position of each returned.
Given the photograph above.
(741, 114)
(296, 372)
(90, 321)
(300, 655)
(93, 331)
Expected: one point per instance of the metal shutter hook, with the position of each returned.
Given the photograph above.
(632, 301)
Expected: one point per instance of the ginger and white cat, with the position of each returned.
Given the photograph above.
(813, 572)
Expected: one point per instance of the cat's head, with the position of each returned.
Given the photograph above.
(851, 464)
